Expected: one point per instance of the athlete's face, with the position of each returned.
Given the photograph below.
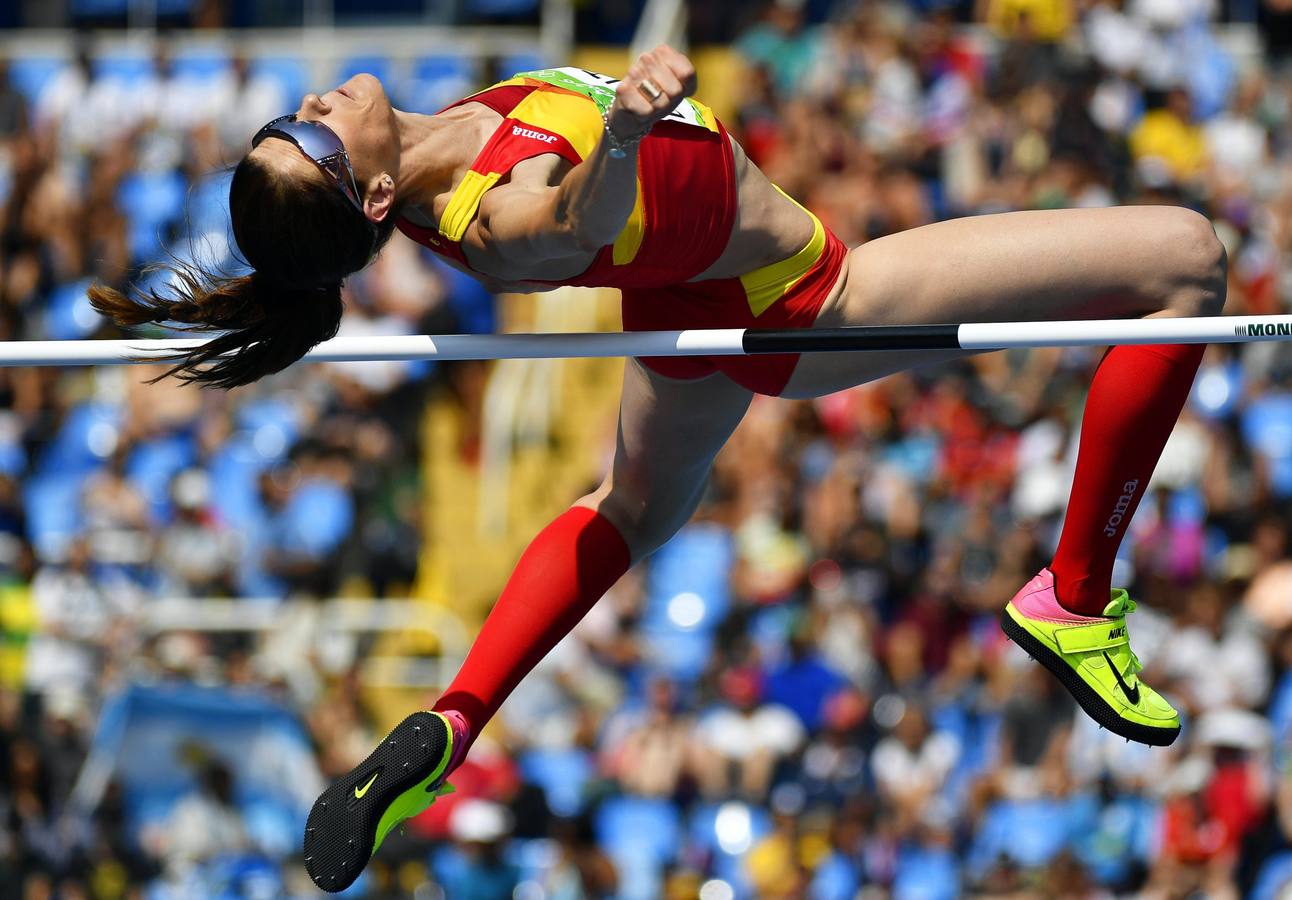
(360, 114)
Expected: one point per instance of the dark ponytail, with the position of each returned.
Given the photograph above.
(303, 238)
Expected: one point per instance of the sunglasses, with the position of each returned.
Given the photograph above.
(322, 146)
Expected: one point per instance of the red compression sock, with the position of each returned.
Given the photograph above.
(561, 575)
(1135, 397)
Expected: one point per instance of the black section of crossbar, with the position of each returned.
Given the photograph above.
(856, 337)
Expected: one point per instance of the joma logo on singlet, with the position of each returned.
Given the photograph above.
(536, 135)
(1123, 504)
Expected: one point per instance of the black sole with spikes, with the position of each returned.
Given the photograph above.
(341, 831)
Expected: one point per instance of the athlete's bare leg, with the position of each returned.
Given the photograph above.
(1124, 262)
(1018, 266)
(1033, 266)
(669, 433)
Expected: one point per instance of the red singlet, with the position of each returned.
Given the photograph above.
(682, 220)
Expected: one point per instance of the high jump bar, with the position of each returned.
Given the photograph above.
(699, 342)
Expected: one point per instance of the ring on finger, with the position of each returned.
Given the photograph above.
(650, 90)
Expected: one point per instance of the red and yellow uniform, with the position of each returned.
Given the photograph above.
(683, 218)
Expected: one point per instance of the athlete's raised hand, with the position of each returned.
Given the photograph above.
(652, 89)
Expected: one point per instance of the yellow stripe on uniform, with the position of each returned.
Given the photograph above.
(572, 116)
(765, 286)
(464, 203)
(630, 239)
(706, 115)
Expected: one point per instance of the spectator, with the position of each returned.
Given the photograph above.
(1167, 144)
(205, 823)
(195, 555)
(654, 753)
(912, 763)
(857, 724)
(743, 738)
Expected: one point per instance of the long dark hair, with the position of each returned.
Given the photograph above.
(302, 238)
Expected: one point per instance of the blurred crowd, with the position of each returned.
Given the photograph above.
(115, 492)
(805, 694)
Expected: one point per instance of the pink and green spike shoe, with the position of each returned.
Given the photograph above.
(1091, 656)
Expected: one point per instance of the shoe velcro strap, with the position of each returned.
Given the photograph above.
(1096, 636)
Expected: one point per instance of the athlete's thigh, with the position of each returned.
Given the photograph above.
(1026, 266)
(1021, 266)
(669, 432)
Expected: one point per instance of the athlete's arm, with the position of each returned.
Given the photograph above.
(523, 221)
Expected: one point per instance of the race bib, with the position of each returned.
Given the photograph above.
(600, 89)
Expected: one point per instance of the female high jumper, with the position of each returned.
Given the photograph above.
(566, 177)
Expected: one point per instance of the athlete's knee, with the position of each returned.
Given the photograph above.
(1200, 263)
(645, 521)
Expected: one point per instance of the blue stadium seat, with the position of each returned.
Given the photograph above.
(127, 69)
(682, 655)
(436, 82)
(444, 65)
(88, 436)
(1267, 427)
(208, 204)
(68, 314)
(1022, 831)
(725, 833)
(242, 874)
(289, 71)
(105, 8)
(1274, 879)
(13, 458)
(373, 65)
(473, 306)
(86, 8)
(702, 829)
(532, 858)
(1280, 716)
(275, 413)
(174, 7)
(513, 63)
(697, 561)
(154, 463)
(317, 518)
(836, 878)
(235, 467)
(639, 834)
(53, 507)
(152, 201)
(31, 74)
(1117, 836)
(926, 873)
(563, 774)
(506, 8)
(204, 66)
(647, 825)
(1218, 389)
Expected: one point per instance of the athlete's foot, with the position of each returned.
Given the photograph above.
(402, 777)
(1092, 657)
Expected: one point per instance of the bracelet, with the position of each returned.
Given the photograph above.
(619, 148)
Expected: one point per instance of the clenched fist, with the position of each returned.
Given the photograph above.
(653, 87)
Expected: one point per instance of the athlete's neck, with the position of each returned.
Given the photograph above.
(433, 152)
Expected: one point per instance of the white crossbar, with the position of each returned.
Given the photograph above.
(716, 342)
